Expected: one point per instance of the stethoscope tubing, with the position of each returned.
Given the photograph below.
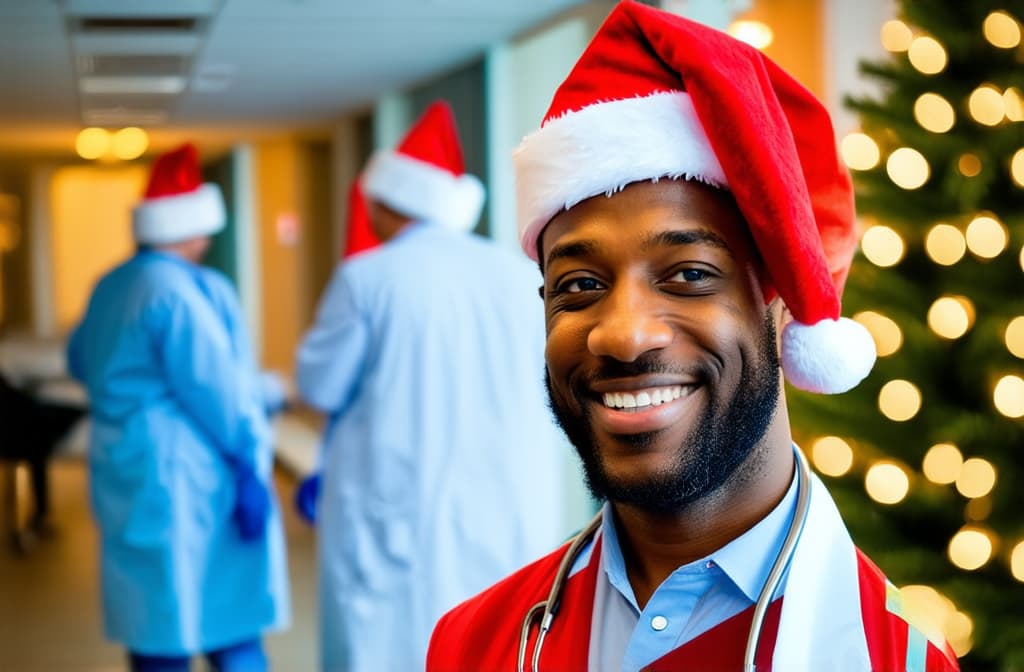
(782, 560)
(547, 608)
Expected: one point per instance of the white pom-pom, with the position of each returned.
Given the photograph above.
(829, 357)
(465, 204)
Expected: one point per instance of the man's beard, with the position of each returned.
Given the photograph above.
(721, 440)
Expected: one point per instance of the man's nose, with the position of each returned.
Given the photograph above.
(630, 325)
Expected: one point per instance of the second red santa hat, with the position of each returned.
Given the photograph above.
(657, 96)
(424, 176)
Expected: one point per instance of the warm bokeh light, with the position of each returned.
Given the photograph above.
(945, 245)
(977, 478)
(927, 55)
(934, 113)
(755, 33)
(1014, 337)
(986, 236)
(859, 151)
(968, 307)
(986, 105)
(92, 143)
(1017, 562)
(899, 400)
(908, 168)
(130, 143)
(1008, 396)
(970, 548)
(959, 628)
(887, 334)
(832, 456)
(882, 246)
(886, 483)
(1022, 258)
(1014, 102)
(896, 36)
(942, 463)
(1017, 167)
(951, 316)
(969, 165)
(1001, 30)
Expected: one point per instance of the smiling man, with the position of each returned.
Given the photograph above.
(694, 227)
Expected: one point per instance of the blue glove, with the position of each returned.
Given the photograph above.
(252, 504)
(275, 392)
(306, 497)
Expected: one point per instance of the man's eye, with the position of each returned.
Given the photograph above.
(579, 285)
(690, 275)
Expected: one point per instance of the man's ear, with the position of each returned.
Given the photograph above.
(781, 316)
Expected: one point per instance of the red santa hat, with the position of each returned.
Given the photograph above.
(177, 205)
(656, 96)
(359, 235)
(424, 177)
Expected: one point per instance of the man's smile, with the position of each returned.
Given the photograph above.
(632, 409)
(654, 396)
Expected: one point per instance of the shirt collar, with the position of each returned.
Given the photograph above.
(746, 560)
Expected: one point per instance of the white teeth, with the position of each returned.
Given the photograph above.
(643, 398)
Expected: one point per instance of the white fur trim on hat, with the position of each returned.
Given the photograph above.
(172, 219)
(829, 357)
(423, 191)
(604, 147)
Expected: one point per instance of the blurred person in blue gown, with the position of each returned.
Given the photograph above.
(441, 469)
(192, 549)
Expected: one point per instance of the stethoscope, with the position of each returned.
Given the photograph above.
(546, 609)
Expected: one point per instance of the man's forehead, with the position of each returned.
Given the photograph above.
(576, 242)
(648, 216)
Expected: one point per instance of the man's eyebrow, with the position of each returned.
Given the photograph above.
(688, 237)
(580, 248)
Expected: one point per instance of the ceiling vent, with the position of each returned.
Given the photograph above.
(133, 60)
(126, 65)
(136, 24)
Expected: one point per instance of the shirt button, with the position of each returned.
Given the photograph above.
(710, 564)
(659, 623)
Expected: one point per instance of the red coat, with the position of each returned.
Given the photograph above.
(482, 634)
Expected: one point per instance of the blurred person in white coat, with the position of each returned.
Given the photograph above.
(441, 470)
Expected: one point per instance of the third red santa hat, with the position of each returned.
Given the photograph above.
(359, 235)
(424, 176)
(657, 96)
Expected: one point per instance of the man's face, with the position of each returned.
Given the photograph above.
(661, 355)
(195, 249)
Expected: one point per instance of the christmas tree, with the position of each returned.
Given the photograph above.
(926, 457)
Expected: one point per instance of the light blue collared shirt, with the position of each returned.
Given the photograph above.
(695, 598)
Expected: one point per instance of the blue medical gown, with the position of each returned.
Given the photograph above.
(176, 403)
(443, 471)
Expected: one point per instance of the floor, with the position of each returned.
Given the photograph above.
(49, 598)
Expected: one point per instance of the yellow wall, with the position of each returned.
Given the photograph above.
(799, 42)
(91, 230)
(292, 179)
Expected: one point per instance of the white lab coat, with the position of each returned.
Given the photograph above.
(442, 466)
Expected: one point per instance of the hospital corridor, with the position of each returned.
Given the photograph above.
(302, 352)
